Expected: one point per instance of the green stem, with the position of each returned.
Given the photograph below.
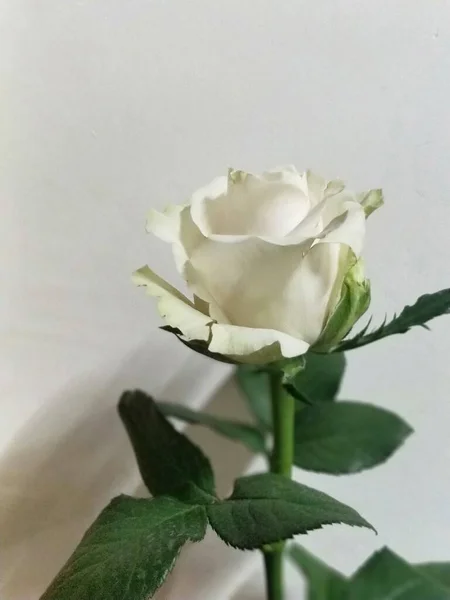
(273, 564)
(283, 409)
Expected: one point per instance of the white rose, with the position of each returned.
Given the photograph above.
(266, 258)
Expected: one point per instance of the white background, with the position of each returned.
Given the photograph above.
(110, 107)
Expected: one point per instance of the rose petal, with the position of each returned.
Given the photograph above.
(271, 204)
(173, 306)
(287, 174)
(166, 224)
(348, 228)
(261, 285)
(255, 346)
(197, 286)
(320, 188)
(189, 236)
(338, 218)
(371, 200)
(261, 252)
(204, 197)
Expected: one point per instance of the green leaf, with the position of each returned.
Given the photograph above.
(323, 582)
(255, 385)
(168, 461)
(317, 378)
(386, 576)
(427, 307)
(346, 437)
(129, 550)
(268, 508)
(247, 434)
(439, 571)
(321, 378)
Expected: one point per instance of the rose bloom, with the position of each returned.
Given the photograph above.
(268, 259)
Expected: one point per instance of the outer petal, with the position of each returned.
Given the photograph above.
(264, 286)
(204, 196)
(287, 174)
(347, 228)
(320, 188)
(190, 237)
(371, 200)
(338, 218)
(255, 346)
(200, 288)
(174, 307)
(166, 224)
(352, 302)
(268, 205)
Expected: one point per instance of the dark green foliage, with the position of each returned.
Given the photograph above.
(346, 437)
(427, 307)
(255, 385)
(384, 576)
(267, 508)
(321, 378)
(129, 550)
(168, 461)
(249, 435)
(322, 582)
(439, 571)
